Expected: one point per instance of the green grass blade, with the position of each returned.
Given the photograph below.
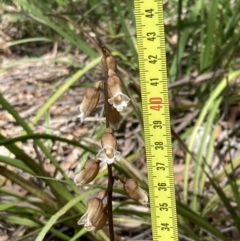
(46, 137)
(227, 202)
(207, 50)
(189, 233)
(184, 211)
(215, 201)
(131, 40)
(80, 233)
(65, 31)
(28, 40)
(57, 188)
(214, 95)
(16, 163)
(6, 206)
(202, 151)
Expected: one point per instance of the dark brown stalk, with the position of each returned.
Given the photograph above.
(110, 214)
(110, 176)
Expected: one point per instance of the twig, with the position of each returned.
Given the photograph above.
(196, 80)
(186, 121)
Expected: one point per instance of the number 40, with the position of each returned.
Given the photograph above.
(156, 101)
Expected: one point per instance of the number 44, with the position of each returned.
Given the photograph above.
(149, 13)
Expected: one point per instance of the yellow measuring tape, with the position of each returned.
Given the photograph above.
(155, 105)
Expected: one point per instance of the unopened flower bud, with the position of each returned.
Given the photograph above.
(108, 153)
(108, 62)
(135, 192)
(90, 101)
(95, 217)
(116, 97)
(88, 173)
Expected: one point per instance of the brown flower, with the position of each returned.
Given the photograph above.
(115, 118)
(108, 62)
(108, 153)
(116, 97)
(95, 217)
(88, 173)
(135, 192)
(90, 101)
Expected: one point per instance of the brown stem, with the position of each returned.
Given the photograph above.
(121, 178)
(110, 214)
(110, 177)
(106, 106)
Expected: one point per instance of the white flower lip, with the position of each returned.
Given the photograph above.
(85, 220)
(119, 105)
(79, 179)
(104, 158)
(81, 116)
(144, 197)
